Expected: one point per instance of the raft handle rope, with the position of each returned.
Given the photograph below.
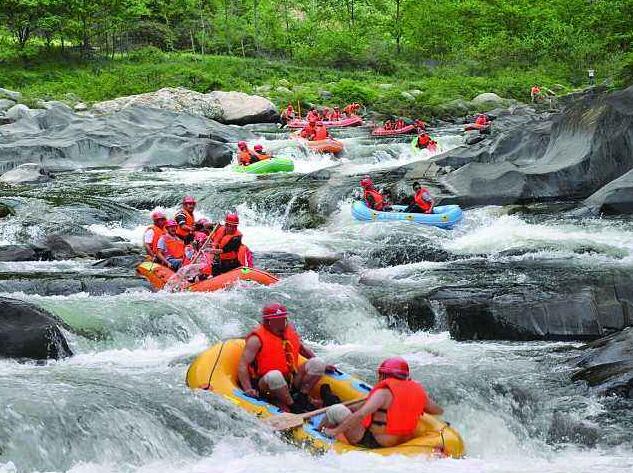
(215, 365)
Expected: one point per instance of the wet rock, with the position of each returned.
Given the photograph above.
(17, 112)
(240, 109)
(488, 99)
(125, 261)
(10, 94)
(29, 173)
(5, 210)
(405, 249)
(6, 104)
(17, 253)
(406, 306)
(569, 431)
(588, 147)
(59, 139)
(614, 198)
(80, 107)
(607, 365)
(27, 331)
(72, 246)
(314, 263)
(279, 262)
(54, 285)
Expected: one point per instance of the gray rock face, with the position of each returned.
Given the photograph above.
(71, 246)
(135, 137)
(589, 145)
(488, 99)
(607, 365)
(55, 286)
(29, 173)
(10, 94)
(6, 104)
(18, 112)
(26, 331)
(17, 253)
(614, 198)
(226, 107)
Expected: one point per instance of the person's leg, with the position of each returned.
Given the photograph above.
(336, 414)
(274, 383)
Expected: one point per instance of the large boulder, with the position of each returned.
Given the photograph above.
(72, 246)
(26, 331)
(18, 112)
(6, 104)
(10, 94)
(226, 107)
(136, 137)
(29, 173)
(607, 364)
(589, 146)
(488, 99)
(614, 198)
(17, 253)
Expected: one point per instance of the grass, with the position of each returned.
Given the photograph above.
(54, 77)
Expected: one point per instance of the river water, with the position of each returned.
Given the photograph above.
(121, 405)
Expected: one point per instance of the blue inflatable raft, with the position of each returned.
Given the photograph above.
(443, 216)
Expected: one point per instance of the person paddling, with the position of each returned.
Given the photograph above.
(389, 416)
(422, 200)
(186, 220)
(260, 154)
(374, 199)
(245, 156)
(336, 114)
(309, 131)
(269, 366)
(154, 232)
(171, 248)
(227, 240)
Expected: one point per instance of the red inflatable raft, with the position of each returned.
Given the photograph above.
(158, 275)
(405, 130)
(351, 121)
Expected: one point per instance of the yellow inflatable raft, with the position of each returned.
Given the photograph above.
(216, 370)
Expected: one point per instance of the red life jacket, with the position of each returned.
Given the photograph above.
(158, 232)
(320, 133)
(426, 206)
(481, 120)
(229, 244)
(189, 221)
(335, 116)
(409, 401)
(175, 246)
(244, 157)
(308, 132)
(536, 90)
(276, 353)
(423, 141)
(378, 200)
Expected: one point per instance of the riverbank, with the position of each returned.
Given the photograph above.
(414, 91)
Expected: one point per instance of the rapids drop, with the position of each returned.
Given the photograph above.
(120, 404)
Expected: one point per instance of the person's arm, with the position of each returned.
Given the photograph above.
(433, 408)
(148, 238)
(160, 252)
(306, 351)
(375, 402)
(253, 345)
(181, 221)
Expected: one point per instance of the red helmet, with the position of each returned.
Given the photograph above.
(188, 200)
(157, 215)
(366, 182)
(171, 223)
(232, 219)
(241, 144)
(274, 311)
(258, 148)
(396, 367)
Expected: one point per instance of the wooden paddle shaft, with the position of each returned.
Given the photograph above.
(307, 415)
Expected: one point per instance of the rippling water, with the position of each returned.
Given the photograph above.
(120, 405)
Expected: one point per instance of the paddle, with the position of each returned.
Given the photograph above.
(206, 242)
(287, 421)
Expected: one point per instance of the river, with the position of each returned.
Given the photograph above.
(121, 405)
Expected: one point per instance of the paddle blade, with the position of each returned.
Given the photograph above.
(285, 421)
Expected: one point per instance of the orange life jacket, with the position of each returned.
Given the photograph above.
(423, 141)
(377, 201)
(409, 401)
(426, 206)
(158, 232)
(244, 157)
(175, 246)
(481, 121)
(308, 132)
(229, 244)
(189, 221)
(263, 157)
(320, 133)
(276, 353)
(335, 116)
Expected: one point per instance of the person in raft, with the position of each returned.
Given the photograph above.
(313, 114)
(422, 200)
(314, 131)
(389, 416)
(245, 156)
(260, 154)
(154, 232)
(374, 199)
(351, 109)
(269, 366)
(203, 254)
(336, 114)
(288, 114)
(227, 243)
(425, 142)
(185, 219)
(170, 248)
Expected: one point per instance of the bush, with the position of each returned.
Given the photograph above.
(624, 74)
(147, 54)
(348, 91)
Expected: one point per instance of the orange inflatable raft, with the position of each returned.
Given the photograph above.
(158, 275)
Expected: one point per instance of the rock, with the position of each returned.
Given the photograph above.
(614, 198)
(29, 173)
(409, 307)
(5, 210)
(47, 105)
(126, 261)
(325, 94)
(415, 92)
(6, 104)
(407, 96)
(17, 112)
(17, 253)
(588, 147)
(26, 331)
(240, 109)
(176, 99)
(488, 99)
(136, 137)
(10, 94)
(55, 286)
(457, 107)
(385, 86)
(80, 107)
(283, 90)
(71, 246)
(607, 365)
